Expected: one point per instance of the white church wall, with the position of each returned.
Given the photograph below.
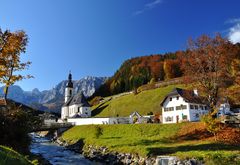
(78, 109)
(64, 112)
(73, 110)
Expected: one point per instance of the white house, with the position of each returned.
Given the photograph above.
(183, 105)
(224, 107)
(74, 106)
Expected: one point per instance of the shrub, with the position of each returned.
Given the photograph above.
(98, 131)
(212, 124)
(156, 118)
(15, 124)
(150, 113)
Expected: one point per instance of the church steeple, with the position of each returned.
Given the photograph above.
(69, 83)
(69, 88)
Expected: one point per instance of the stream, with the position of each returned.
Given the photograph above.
(56, 154)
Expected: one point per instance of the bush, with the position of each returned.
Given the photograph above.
(212, 124)
(15, 124)
(150, 113)
(98, 131)
(156, 118)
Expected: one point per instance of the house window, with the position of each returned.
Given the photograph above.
(78, 109)
(168, 109)
(177, 97)
(168, 119)
(170, 98)
(178, 108)
(191, 106)
(196, 106)
(184, 107)
(201, 107)
(181, 107)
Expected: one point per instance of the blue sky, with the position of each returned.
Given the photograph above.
(94, 37)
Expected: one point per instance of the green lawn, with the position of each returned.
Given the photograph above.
(11, 157)
(151, 139)
(144, 102)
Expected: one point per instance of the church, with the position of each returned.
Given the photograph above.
(75, 106)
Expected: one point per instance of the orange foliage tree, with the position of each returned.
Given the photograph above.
(207, 62)
(12, 44)
(172, 69)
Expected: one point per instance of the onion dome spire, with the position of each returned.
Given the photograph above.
(69, 83)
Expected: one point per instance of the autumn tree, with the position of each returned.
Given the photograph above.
(234, 93)
(172, 69)
(12, 44)
(236, 70)
(207, 63)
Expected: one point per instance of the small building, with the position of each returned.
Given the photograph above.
(74, 106)
(135, 117)
(183, 105)
(224, 107)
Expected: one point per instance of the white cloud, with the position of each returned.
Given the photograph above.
(148, 6)
(153, 4)
(233, 20)
(234, 32)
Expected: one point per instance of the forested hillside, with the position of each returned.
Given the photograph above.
(159, 67)
(141, 70)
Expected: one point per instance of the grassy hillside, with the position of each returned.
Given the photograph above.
(155, 139)
(144, 102)
(11, 157)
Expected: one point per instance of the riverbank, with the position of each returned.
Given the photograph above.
(144, 142)
(53, 153)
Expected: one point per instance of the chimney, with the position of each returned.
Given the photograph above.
(195, 91)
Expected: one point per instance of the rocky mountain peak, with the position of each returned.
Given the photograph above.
(54, 97)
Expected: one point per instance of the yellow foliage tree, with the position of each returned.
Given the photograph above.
(12, 44)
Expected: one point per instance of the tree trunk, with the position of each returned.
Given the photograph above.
(6, 92)
(8, 82)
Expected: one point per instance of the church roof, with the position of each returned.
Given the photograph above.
(187, 95)
(77, 99)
